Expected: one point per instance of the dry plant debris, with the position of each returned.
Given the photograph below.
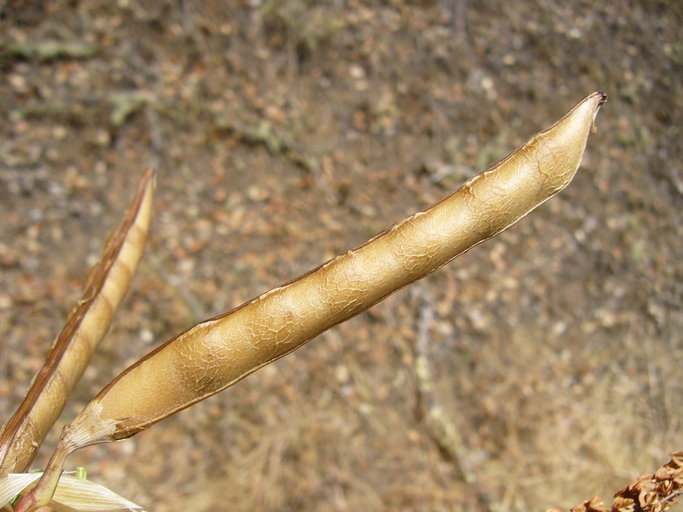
(651, 492)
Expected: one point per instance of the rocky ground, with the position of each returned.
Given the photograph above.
(287, 131)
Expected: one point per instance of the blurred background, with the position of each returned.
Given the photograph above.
(288, 131)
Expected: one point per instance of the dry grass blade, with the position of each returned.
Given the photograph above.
(87, 324)
(73, 494)
(82, 495)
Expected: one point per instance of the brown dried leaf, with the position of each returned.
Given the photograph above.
(595, 504)
(652, 492)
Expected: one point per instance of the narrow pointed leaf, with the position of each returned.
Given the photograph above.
(86, 496)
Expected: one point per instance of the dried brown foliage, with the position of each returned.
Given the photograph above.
(595, 504)
(651, 492)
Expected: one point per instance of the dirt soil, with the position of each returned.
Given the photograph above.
(288, 131)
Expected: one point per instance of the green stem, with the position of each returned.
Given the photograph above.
(42, 493)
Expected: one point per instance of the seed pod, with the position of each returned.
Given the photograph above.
(87, 324)
(217, 353)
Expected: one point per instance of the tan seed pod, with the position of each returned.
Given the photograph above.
(219, 352)
(87, 324)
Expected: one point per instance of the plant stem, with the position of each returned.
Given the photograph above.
(42, 493)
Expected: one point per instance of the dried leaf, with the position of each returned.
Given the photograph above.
(595, 504)
(71, 494)
(651, 492)
(11, 485)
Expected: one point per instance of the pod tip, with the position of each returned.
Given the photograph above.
(603, 97)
